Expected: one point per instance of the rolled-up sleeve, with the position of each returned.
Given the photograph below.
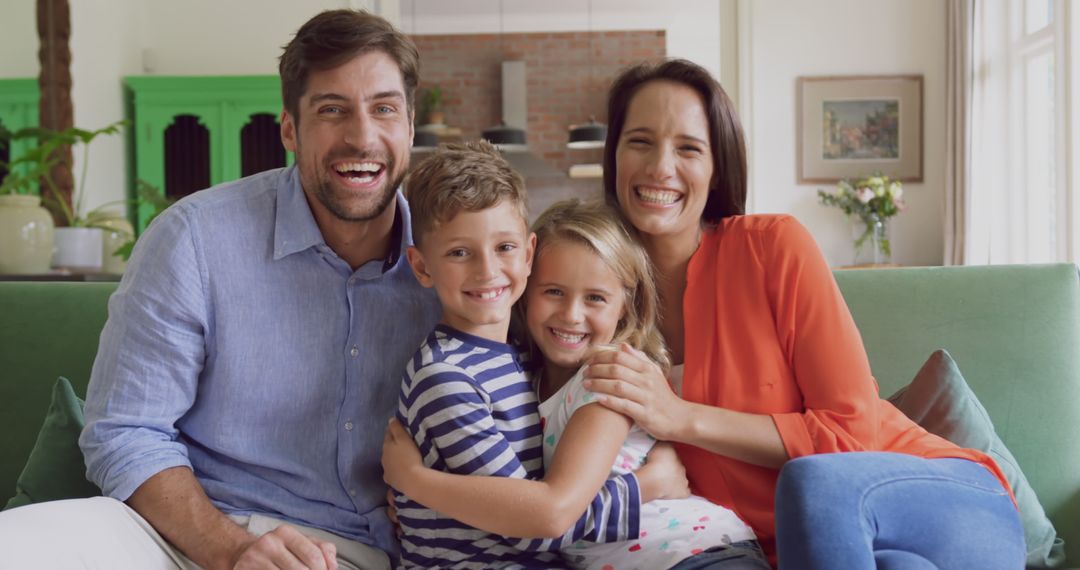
(152, 351)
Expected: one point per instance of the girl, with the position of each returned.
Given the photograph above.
(590, 287)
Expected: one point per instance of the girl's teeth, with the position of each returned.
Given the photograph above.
(658, 196)
(571, 338)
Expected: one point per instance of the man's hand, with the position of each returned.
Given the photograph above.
(401, 461)
(175, 505)
(663, 475)
(285, 548)
(391, 513)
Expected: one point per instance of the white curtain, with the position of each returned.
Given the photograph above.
(1010, 200)
(989, 228)
(958, 72)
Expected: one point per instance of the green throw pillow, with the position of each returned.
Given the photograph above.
(940, 401)
(55, 468)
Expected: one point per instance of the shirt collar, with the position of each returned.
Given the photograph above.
(396, 236)
(295, 228)
(294, 225)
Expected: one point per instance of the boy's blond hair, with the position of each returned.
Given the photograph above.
(598, 227)
(470, 177)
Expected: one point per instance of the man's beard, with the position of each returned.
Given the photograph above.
(324, 192)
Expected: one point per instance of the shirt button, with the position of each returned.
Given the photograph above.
(348, 426)
(352, 492)
(352, 281)
(354, 352)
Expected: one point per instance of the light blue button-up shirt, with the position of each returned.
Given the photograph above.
(239, 344)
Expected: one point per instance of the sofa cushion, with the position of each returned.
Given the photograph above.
(55, 469)
(940, 401)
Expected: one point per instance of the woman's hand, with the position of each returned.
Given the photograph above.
(401, 461)
(663, 475)
(632, 384)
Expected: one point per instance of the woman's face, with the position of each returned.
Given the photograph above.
(663, 162)
(574, 301)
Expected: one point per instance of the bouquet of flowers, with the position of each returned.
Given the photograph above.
(872, 200)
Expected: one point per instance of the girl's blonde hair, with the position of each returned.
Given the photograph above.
(598, 227)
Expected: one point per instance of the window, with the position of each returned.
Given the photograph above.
(1021, 207)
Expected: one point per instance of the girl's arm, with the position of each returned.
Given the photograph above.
(533, 509)
(633, 385)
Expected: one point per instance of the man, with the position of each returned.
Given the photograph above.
(254, 347)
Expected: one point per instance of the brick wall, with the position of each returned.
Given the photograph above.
(562, 90)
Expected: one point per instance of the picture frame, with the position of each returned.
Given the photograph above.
(852, 126)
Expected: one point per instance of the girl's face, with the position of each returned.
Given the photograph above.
(663, 160)
(573, 301)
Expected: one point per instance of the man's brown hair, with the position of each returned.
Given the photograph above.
(470, 177)
(332, 38)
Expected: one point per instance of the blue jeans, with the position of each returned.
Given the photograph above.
(890, 510)
(744, 555)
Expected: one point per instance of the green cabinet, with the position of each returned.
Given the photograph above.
(189, 133)
(18, 110)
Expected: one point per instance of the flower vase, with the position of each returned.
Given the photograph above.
(871, 237)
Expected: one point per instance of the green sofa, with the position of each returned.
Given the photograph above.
(1013, 330)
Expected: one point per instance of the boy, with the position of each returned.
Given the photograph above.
(465, 399)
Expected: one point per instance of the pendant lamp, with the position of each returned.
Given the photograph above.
(587, 135)
(591, 134)
(507, 137)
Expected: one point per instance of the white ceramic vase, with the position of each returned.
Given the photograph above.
(26, 235)
(78, 249)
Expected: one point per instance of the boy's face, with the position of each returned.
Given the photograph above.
(478, 263)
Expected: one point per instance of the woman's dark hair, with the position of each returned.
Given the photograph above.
(727, 189)
(334, 37)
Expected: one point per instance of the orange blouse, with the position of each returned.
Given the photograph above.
(768, 332)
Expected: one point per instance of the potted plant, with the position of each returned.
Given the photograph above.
(145, 193)
(432, 105)
(26, 228)
(79, 244)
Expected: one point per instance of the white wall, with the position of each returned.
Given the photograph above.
(18, 58)
(846, 37)
(100, 59)
(231, 37)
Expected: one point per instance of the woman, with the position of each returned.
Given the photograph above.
(773, 371)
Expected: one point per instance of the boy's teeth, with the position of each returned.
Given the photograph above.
(485, 295)
(568, 337)
(658, 196)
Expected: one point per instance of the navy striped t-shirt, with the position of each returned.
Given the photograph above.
(470, 408)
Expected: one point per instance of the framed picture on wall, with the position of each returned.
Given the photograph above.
(851, 126)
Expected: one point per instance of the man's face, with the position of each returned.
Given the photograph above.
(352, 137)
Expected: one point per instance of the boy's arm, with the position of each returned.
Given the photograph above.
(517, 506)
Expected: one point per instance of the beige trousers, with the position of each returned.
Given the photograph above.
(105, 534)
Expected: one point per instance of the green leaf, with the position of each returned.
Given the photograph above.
(124, 251)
